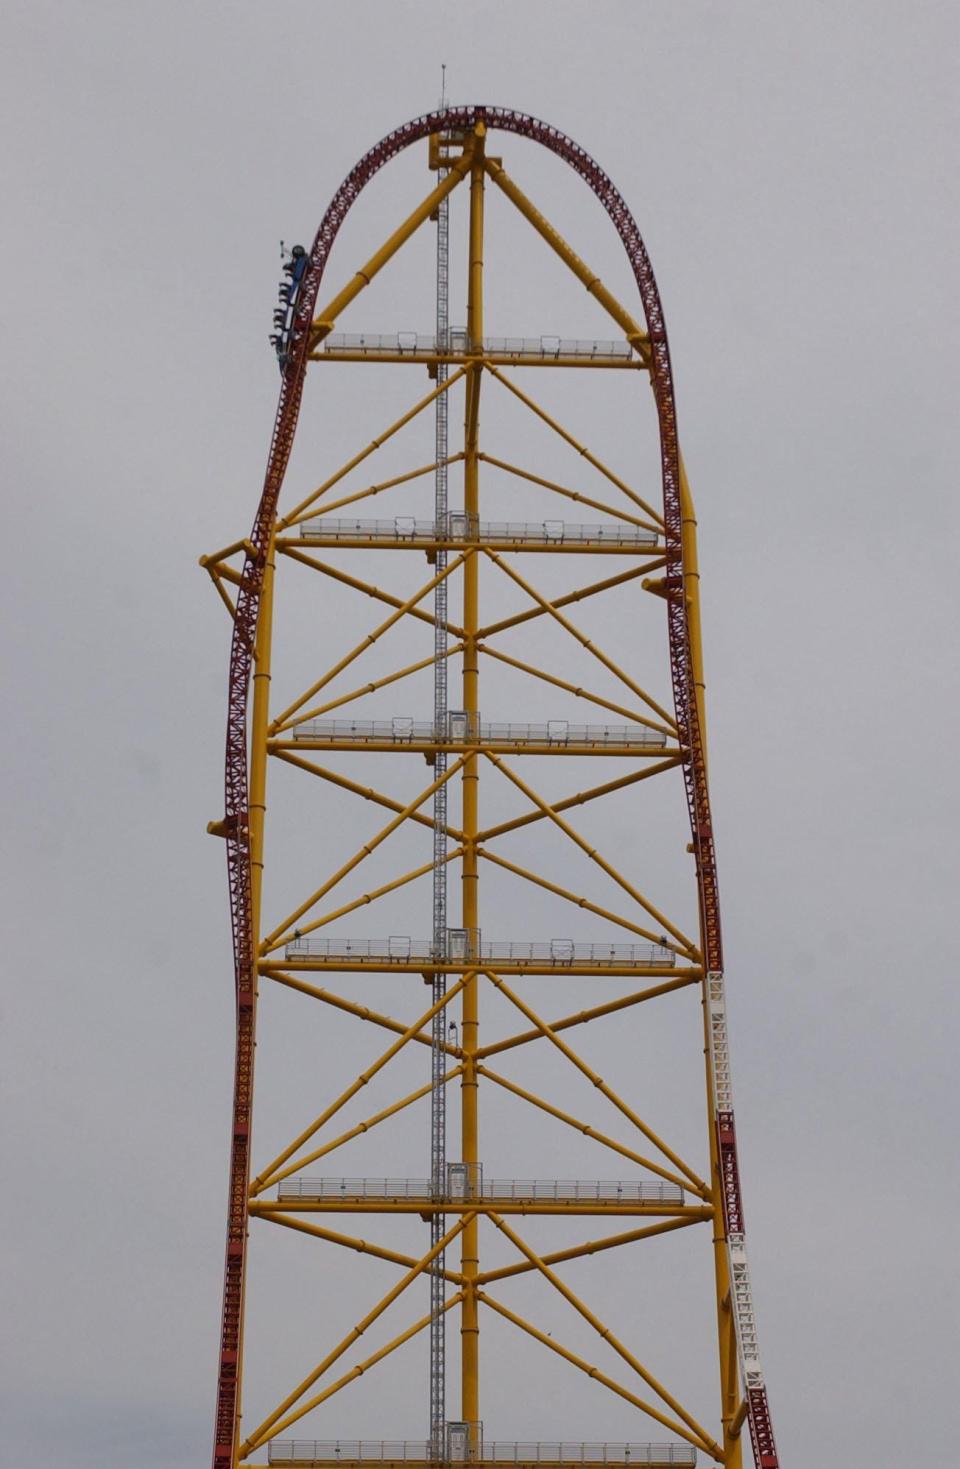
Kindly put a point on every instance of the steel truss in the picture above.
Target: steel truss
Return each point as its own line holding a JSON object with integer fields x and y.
{"x": 455, "y": 963}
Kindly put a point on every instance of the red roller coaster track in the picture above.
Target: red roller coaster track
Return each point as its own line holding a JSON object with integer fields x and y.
{"x": 247, "y": 612}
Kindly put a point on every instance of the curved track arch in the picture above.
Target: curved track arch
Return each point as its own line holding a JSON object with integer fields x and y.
{"x": 688, "y": 715}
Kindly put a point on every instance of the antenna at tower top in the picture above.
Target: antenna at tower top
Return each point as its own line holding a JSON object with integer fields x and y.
{"x": 443, "y": 86}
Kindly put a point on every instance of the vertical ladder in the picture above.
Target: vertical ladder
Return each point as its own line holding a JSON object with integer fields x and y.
{"x": 438, "y": 1105}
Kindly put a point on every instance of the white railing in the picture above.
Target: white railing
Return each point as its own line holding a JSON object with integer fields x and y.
{"x": 373, "y": 344}
{"x": 378, "y": 1451}
{"x": 564, "y": 953}
{"x": 493, "y": 1190}
{"x": 407, "y": 529}
{"x": 557, "y": 733}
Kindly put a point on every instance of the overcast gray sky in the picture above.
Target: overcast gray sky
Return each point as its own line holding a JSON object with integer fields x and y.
{"x": 788, "y": 167}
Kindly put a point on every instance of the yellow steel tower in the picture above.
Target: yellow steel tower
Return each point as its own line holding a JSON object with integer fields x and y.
{"x": 511, "y": 649}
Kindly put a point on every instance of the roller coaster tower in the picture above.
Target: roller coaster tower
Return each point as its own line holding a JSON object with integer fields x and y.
{"x": 475, "y": 600}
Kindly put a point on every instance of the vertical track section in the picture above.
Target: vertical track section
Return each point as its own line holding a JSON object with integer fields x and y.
{"x": 438, "y": 1091}
{"x": 236, "y": 822}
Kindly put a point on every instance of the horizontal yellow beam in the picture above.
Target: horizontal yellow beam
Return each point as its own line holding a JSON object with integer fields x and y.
{"x": 385, "y": 965}
{"x": 426, "y": 1207}
{"x": 455, "y": 543}
{"x": 453, "y": 359}
{"x": 458, "y": 747}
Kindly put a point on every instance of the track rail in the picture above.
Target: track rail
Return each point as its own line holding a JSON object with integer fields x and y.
{"x": 691, "y": 737}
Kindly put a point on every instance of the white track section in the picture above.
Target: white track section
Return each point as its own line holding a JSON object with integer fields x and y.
{"x": 741, "y": 1293}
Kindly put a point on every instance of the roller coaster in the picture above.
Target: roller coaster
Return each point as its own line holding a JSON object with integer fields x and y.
{"x": 476, "y": 969}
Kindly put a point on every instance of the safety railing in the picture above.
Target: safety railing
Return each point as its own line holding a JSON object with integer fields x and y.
{"x": 563, "y": 953}
{"x": 404, "y": 1451}
{"x": 488, "y": 1190}
{"x": 557, "y": 733}
{"x": 461, "y": 529}
{"x": 415, "y": 344}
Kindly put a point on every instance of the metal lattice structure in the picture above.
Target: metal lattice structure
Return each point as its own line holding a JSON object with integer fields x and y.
{"x": 460, "y": 960}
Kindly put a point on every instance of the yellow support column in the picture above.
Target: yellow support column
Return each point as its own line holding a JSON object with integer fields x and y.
{"x": 470, "y": 1263}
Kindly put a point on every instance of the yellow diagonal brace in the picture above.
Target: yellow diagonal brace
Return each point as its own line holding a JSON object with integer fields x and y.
{"x": 695, "y": 1181}
{"x": 267, "y": 1428}
{"x": 323, "y": 324}
{"x": 686, "y": 944}
{"x": 244, "y": 544}
{"x": 268, "y": 1175}
{"x": 709, "y": 1444}
{"x": 578, "y": 902}
{"x": 549, "y": 484}
{"x": 284, "y": 721}
{"x": 582, "y": 1127}
{"x": 387, "y": 484}
{"x": 377, "y": 593}
{"x": 575, "y": 689}
{"x": 579, "y": 595}
{"x": 596, "y": 1012}
{"x": 350, "y": 1007}
{"x": 368, "y": 793}
{"x": 631, "y": 328}
{"x": 362, "y": 1246}
{"x": 594, "y": 1246}
{"x": 739, "y": 1418}
{"x": 293, "y": 516}
{"x": 670, "y": 727}
{"x": 372, "y": 896}
{"x": 224, "y": 596}
{"x": 279, "y": 936}
{"x": 382, "y": 683}
{"x": 361, "y": 1127}
{"x": 558, "y": 428}
{"x": 360, "y": 1369}
{"x": 580, "y": 799}
{"x": 679, "y": 1429}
